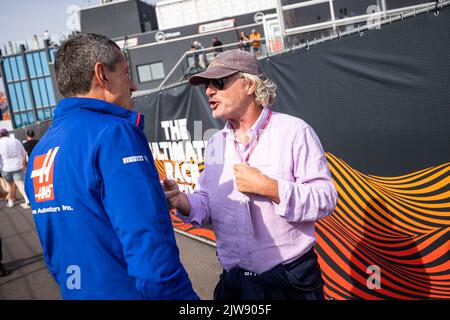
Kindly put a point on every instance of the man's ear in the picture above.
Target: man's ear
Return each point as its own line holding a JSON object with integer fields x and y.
{"x": 251, "y": 87}
{"x": 101, "y": 76}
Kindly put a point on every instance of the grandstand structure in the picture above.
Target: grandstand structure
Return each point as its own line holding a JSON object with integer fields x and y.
{"x": 157, "y": 39}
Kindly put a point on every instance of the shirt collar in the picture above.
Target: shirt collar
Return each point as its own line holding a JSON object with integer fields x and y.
{"x": 254, "y": 129}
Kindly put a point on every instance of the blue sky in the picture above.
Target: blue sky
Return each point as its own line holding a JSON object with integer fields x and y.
{"x": 21, "y": 19}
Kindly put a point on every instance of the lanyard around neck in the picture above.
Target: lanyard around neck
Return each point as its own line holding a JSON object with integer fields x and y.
{"x": 261, "y": 131}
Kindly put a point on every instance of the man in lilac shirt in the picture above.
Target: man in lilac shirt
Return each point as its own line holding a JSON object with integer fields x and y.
{"x": 265, "y": 183}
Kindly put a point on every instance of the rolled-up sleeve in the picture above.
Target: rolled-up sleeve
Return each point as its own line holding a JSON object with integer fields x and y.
{"x": 199, "y": 201}
{"x": 312, "y": 195}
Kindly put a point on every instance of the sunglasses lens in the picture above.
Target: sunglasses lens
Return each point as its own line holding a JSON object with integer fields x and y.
{"x": 217, "y": 83}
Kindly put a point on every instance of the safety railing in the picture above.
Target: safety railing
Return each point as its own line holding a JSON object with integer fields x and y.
{"x": 195, "y": 61}
{"x": 192, "y": 62}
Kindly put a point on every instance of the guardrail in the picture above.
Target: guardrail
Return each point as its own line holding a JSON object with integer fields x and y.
{"x": 192, "y": 62}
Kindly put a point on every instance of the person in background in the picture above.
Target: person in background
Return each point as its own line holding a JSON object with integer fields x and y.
{"x": 201, "y": 55}
{"x": 100, "y": 211}
{"x": 255, "y": 37}
{"x": 30, "y": 143}
{"x": 244, "y": 42}
{"x": 12, "y": 161}
{"x": 265, "y": 184}
{"x": 3, "y": 189}
{"x": 217, "y": 43}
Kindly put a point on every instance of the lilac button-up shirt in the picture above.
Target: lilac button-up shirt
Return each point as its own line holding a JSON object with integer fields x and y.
{"x": 253, "y": 232}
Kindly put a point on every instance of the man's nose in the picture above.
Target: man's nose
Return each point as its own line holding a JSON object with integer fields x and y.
{"x": 210, "y": 90}
{"x": 133, "y": 87}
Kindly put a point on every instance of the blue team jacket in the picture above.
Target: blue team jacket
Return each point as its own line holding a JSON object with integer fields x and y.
{"x": 99, "y": 209}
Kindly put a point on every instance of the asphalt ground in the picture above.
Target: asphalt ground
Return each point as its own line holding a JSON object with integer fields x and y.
{"x": 30, "y": 279}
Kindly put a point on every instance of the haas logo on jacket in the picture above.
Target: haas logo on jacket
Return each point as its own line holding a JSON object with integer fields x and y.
{"x": 42, "y": 175}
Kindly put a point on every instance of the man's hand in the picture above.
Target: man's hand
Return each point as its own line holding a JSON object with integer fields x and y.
{"x": 248, "y": 179}
{"x": 251, "y": 180}
{"x": 175, "y": 198}
{"x": 171, "y": 191}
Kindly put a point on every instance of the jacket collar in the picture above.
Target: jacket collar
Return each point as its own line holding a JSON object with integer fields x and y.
{"x": 68, "y": 106}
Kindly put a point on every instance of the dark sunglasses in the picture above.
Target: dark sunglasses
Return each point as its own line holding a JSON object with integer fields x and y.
{"x": 217, "y": 83}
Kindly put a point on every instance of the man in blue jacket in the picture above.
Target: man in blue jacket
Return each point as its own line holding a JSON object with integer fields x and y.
{"x": 99, "y": 209}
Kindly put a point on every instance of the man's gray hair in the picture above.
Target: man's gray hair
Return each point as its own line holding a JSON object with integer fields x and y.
{"x": 266, "y": 90}
{"x": 76, "y": 58}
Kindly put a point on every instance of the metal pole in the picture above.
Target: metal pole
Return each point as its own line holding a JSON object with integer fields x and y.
{"x": 280, "y": 14}
{"x": 8, "y": 100}
{"x": 29, "y": 86}
{"x": 333, "y": 18}
{"x": 171, "y": 71}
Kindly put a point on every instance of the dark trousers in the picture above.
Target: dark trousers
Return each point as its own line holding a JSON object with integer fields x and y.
{"x": 298, "y": 280}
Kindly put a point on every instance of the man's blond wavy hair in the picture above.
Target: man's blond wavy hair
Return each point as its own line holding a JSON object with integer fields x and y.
{"x": 266, "y": 90}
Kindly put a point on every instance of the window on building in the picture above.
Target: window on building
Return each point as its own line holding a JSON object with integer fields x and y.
{"x": 307, "y": 15}
{"x": 13, "y": 97}
{"x": 394, "y": 4}
{"x": 31, "y": 117}
{"x": 20, "y": 68}
{"x": 35, "y": 65}
{"x": 151, "y": 72}
{"x": 146, "y": 26}
{"x": 44, "y": 63}
{"x": 30, "y": 64}
{"x": 40, "y": 114}
{"x": 18, "y": 120}
{"x": 348, "y": 8}
{"x": 25, "y": 119}
{"x": 52, "y": 55}
{"x": 20, "y": 97}
{"x": 157, "y": 70}
{"x": 36, "y": 93}
{"x": 15, "y": 72}
{"x": 44, "y": 93}
{"x": 48, "y": 113}
{"x": 51, "y": 93}
{"x": 26, "y": 95}
{"x": 7, "y": 67}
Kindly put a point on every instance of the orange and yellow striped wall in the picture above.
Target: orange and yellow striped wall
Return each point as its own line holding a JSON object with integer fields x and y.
{"x": 388, "y": 237}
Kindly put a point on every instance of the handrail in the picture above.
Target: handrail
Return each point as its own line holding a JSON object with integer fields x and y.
{"x": 356, "y": 19}
{"x": 400, "y": 14}
{"x": 187, "y": 53}
{"x": 411, "y": 12}
{"x": 195, "y": 36}
{"x": 172, "y": 70}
